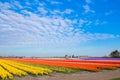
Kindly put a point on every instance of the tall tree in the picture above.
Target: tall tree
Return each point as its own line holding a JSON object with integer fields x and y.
{"x": 115, "y": 54}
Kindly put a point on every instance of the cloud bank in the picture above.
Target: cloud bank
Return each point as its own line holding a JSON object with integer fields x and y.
{"x": 21, "y": 25}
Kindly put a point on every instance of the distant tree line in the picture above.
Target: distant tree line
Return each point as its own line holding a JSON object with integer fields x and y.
{"x": 115, "y": 54}
{"x": 12, "y": 56}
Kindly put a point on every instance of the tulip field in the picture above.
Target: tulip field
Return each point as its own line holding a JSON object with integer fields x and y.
{"x": 10, "y": 67}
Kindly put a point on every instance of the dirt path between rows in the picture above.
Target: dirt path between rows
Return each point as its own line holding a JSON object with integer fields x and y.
{"x": 83, "y": 75}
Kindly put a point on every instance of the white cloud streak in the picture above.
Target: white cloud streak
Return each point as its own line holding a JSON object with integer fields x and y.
{"x": 58, "y": 12}
{"x": 55, "y": 2}
{"x": 87, "y": 9}
{"x": 4, "y": 5}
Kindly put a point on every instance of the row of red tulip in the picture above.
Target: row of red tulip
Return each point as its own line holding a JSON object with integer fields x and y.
{"x": 79, "y": 64}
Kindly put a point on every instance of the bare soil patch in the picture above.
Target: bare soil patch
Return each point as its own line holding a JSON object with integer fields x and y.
{"x": 83, "y": 75}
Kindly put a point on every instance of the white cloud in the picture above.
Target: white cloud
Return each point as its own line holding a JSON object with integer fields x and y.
{"x": 17, "y": 4}
{"x": 55, "y": 2}
{"x": 42, "y": 10}
{"x": 88, "y": 1}
{"x": 68, "y": 11}
{"x": 100, "y": 36}
{"x": 87, "y": 9}
{"x": 39, "y": 28}
{"x": 35, "y": 29}
{"x": 5, "y": 5}
{"x": 81, "y": 21}
{"x": 99, "y": 22}
{"x": 56, "y": 12}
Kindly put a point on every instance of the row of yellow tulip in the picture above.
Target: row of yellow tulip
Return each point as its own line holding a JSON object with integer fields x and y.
{"x": 27, "y": 68}
{"x": 12, "y": 69}
{"x": 9, "y": 68}
{"x": 4, "y": 74}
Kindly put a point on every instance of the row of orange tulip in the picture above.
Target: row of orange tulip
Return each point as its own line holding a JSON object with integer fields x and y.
{"x": 72, "y": 64}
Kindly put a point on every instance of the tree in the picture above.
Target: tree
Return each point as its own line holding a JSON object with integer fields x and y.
{"x": 73, "y": 56}
{"x": 115, "y": 54}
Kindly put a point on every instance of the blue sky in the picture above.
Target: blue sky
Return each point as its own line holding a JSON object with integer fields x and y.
{"x": 59, "y": 27}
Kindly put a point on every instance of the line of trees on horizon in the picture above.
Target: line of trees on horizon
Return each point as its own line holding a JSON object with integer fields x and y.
{"x": 113, "y": 54}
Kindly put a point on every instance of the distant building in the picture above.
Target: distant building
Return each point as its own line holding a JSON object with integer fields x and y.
{"x": 66, "y": 57}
